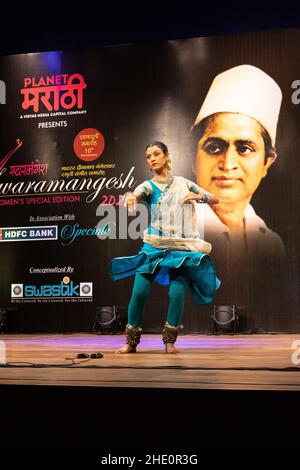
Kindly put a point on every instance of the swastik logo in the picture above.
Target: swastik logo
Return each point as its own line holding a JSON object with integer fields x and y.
{"x": 17, "y": 290}
{"x": 65, "y": 289}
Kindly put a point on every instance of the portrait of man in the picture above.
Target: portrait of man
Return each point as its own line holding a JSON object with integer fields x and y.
{"x": 236, "y": 133}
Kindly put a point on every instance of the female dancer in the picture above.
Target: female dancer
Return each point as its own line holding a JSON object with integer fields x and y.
{"x": 172, "y": 253}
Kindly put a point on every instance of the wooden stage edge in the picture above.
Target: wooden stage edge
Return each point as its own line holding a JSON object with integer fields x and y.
{"x": 224, "y": 362}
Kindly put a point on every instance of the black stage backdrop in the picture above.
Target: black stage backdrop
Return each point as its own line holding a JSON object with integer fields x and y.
{"x": 75, "y": 147}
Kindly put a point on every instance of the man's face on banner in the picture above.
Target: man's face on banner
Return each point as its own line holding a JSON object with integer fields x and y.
{"x": 230, "y": 160}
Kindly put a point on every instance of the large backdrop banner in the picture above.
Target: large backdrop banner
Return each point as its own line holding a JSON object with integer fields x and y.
{"x": 74, "y": 127}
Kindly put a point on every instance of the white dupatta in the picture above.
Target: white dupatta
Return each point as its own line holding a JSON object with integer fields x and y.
{"x": 176, "y": 221}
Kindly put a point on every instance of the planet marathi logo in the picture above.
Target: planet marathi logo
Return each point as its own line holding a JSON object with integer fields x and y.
{"x": 53, "y": 92}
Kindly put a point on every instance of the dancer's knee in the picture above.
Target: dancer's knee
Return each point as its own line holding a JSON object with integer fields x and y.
{"x": 140, "y": 294}
{"x": 177, "y": 291}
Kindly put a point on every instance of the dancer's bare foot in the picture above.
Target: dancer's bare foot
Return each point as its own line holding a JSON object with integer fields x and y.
{"x": 125, "y": 349}
{"x": 170, "y": 349}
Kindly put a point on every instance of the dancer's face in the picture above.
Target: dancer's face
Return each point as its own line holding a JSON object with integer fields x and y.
{"x": 156, "y": 159}
{"x": 230, "y": 160}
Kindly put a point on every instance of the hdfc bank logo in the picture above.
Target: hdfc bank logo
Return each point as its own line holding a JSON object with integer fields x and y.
{"x": 53, "y": 92}
{"x": 10, "y": 234}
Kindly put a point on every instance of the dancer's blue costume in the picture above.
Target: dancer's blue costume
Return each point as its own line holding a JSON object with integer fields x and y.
{"x": 175, "y": 268}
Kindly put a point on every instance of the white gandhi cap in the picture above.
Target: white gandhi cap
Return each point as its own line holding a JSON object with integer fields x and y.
{"x": 244, "y": 89}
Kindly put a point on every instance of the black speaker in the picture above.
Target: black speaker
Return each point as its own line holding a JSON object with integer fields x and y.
{"x": 107, "y": 320}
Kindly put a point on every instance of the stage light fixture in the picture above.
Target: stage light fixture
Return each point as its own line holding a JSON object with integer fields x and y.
{"x": 107, "y": 320}
{"x": 225, "y": 319}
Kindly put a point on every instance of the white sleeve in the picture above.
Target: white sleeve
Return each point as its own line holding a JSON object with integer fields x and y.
{"x": 144, "y": 189}
{"x": 198, "y": 190}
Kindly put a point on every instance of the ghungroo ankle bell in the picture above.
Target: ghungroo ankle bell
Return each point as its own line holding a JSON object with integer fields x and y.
{"x": 170, "y": 333}
{"x": 133, "y": 335}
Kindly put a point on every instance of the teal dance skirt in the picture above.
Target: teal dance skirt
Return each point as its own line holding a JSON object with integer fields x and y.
{"x": 197, "y": 268}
